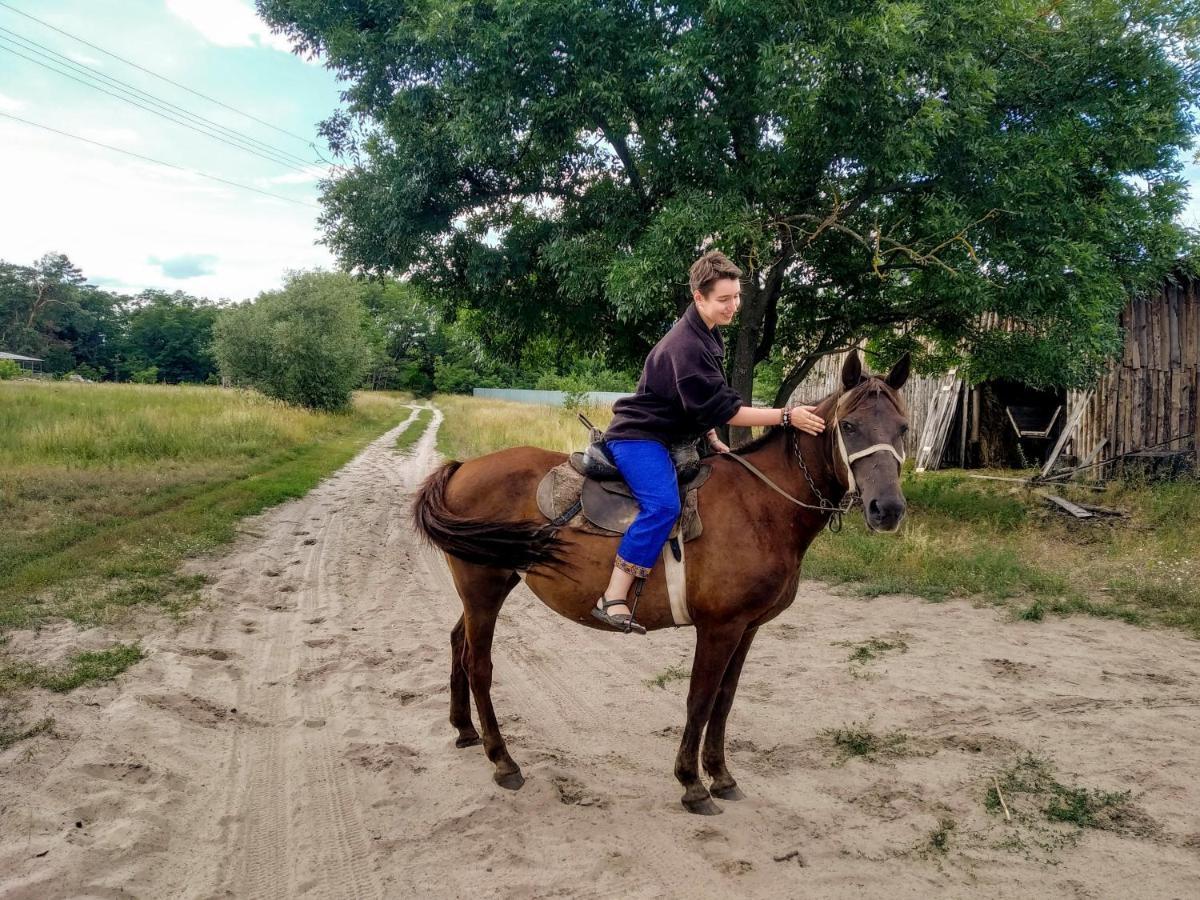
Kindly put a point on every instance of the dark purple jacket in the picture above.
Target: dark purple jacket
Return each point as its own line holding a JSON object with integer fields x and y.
{"x": 682, "y": 392}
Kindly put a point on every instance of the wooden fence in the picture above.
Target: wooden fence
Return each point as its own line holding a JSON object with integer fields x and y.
{"x": 1150, "y": 397}
{"x": 918, "y": 393}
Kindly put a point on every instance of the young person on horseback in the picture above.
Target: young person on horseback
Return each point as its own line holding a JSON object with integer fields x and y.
{"x": 681, "y": 395}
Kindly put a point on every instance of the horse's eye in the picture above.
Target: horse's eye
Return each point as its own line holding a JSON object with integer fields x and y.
{"x": 848, "y": 427}
{"x": 904, "y": 429}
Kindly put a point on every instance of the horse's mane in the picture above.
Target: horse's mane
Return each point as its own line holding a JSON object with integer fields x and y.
{"x": 871, "y": 385}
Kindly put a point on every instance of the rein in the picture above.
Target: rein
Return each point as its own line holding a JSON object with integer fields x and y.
{"x": 838, "y": 510}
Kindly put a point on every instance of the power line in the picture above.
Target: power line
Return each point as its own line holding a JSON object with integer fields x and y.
{"x": 133, "y": 101}
{"x": 162, "y": 115}
{"x": 184, "y": 87}
{"x": 244, "y": 187}
{"x": 125, "y": 87}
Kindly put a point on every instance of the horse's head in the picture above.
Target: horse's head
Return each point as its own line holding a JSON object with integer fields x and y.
{"x": 869, "y": 423}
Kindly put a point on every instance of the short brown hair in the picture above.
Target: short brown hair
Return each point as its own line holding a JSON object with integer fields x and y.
{"x": 712, "y": 266}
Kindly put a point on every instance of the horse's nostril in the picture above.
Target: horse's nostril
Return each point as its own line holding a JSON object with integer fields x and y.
{"x": 873, "y": 507}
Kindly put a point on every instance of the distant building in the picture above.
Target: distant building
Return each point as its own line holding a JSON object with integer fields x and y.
{"x": 30, "y": 364}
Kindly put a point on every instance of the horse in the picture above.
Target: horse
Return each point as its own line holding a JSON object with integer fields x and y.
{"x": 743, "y": 571}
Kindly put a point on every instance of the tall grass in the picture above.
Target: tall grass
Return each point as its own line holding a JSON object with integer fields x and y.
{"x": 475, "y": 426}
{"x": 105, "y": 488}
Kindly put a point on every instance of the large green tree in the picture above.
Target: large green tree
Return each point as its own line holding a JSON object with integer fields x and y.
{"x": 304, "y": 344}
{"x": 171, "y": 332}
{"x": 48, "y": 310}
{"x": 873, "y": 165}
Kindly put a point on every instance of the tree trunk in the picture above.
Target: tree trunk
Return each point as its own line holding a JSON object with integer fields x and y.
{"x": 752, "y": 319}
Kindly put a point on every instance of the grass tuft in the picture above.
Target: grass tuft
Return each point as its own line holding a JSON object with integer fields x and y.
{"x": 669, "y": 674}
{"x": 412, "y": 433}
{"x": 857, "y": 740}
{"x": 10, "y": 734}
{"x": 82, "y": 668}
{"x": 1032, "y": 790}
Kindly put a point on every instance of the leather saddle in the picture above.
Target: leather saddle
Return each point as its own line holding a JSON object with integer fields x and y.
{"x": 588, "y": 492}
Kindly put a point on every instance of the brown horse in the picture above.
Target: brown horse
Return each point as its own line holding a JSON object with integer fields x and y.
{"x": 742, "y": 571}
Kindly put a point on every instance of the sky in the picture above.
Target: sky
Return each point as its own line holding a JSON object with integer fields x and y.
{"x": 131, "y": 224}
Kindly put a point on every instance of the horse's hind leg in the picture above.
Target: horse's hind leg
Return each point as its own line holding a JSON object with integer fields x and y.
{"x": 483, "y": 592}
{"x": 715, "y": 646}
{"x": 460, "y": 689}
{"x": 713, "y": 756}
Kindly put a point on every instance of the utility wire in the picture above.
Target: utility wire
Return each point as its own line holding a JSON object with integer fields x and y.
{"x": 244, "y": 187}
{"x": 96, "y": 74}
{"x": 162, "y": 115}
{"x": 184, "y": 87}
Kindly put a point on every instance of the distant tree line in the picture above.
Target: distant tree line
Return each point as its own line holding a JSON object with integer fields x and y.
{"x": 310, "y": 342}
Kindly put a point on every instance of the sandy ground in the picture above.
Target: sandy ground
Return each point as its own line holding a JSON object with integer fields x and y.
{"x": 292, "y": 741}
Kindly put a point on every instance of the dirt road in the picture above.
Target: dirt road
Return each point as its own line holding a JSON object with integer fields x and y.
{"x": 292, "y": 741}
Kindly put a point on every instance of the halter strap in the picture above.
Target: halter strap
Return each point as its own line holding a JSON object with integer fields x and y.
{"x": 849, "y": 458}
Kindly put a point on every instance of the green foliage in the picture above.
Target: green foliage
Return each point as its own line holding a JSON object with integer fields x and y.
{"x": 83, "y": 667}
{"x": 9, "y": 370}
{"x": 148, "y": 375}
{"x": 556, "y": 166}
{"x": 667, "y": 675}
{"x": 1031, "y": 789}
{"x": 857, "y": 739}
{"x": 303, "y": 344}
{"x": 171, "y": 333}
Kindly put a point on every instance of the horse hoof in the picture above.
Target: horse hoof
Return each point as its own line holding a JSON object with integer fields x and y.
{"x": 467, "y": 740}
{"x": 733, "y": 792}
{"x": 702, "y": 807}
{"x": 510, "y": 781}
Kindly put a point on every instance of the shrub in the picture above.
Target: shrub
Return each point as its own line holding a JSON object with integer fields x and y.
{"x": 303, "y": 344}
{"x": 9, "y": 369}
{"x": 148, "y": 375}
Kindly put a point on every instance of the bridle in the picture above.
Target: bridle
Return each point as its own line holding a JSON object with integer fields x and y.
{"x": 823, "y": 504}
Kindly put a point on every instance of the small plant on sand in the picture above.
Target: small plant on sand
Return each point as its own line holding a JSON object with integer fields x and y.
{"x": 857, "y": 739}
{"x": 1029, "y": 792}
{"x": 670, "y": 673}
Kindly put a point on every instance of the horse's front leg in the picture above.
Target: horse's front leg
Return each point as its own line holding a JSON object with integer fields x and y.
{"x": 714, "y": 648}
{"x": 723, "y": 784}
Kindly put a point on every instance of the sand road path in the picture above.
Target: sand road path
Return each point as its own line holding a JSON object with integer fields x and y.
{"x": 292, "y": 741}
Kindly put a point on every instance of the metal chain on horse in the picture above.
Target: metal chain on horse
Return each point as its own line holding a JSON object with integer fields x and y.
{"x": 835, "y": 511}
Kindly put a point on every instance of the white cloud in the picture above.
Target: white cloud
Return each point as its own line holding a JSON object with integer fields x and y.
{"x": 228, "y": 23}
{"x": 11, "y": 104}
{"x": 118, "y": 137}
{"x": 294, "y": 178}
{"x": 113, "y": 216}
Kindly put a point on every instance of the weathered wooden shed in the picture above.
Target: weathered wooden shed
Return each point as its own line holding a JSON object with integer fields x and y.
{"x": 1147, "y": 402}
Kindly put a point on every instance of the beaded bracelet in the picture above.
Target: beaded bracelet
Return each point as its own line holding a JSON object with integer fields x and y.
{"x": 785, "y": 418}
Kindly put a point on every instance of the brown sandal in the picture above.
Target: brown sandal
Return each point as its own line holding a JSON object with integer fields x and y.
{"x": 620, "y": 621}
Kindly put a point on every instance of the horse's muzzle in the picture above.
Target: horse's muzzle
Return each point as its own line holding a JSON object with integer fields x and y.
{"x": 884, "y": 514}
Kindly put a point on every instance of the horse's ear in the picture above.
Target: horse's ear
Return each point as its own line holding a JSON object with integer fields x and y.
{"x": 895, "y": 379}
{"x": 851, "y": 371}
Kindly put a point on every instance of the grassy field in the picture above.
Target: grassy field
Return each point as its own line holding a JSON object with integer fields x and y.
{"x": 993, "y": 542}
{"x": 105, "y": 489}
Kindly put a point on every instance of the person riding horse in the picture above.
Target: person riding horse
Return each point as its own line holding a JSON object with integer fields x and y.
{"x": 681, "y": 395}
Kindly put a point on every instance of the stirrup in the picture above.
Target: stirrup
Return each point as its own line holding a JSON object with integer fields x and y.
{"x": 621, "y": 621}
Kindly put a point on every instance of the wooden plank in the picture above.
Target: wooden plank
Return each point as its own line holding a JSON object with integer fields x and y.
{"x": 1067, "y": 506}
{"x": 1095, "y": 452}
{"x": 1068, "y": 429}
{"x": 1176, "y": 356}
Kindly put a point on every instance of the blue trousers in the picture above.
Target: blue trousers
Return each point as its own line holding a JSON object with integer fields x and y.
{"x": 647, "y": 469}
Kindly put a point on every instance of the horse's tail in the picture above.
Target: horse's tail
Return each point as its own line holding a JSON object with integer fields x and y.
{"x": 503, "y": 544}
